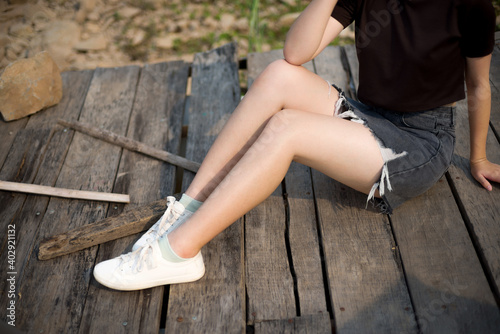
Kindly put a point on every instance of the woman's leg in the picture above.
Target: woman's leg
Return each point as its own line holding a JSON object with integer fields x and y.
{"x": 280, "y": 86}
{"x": 344, "y": 150}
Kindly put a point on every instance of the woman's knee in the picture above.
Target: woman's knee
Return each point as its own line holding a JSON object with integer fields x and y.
{"x": 280, "y": 127}
{"x": 278, "y": 73}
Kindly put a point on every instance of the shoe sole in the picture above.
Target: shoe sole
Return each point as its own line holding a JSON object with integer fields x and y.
{"x": 140, "y": 286}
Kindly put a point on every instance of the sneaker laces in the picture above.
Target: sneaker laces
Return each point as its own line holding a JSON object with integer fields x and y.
{"x": 166, "y": 220}
{"x": 140, "y": 258}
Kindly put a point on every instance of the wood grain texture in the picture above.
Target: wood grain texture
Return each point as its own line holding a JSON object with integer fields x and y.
{"x": 495, "y": 90}
{"x": 156, "y": 120}
{"x": 352, "y": 59}
{"x": 8, "y": 131}
{"x": 304, "y": 242}
{"x": 449, "y": 290}
{"x": 365, "y": 277}
{"x": 257, "y": 62}
{"x": 480, "y": 207}
{"x": 269, "y": 282}
{"x": 328, "y": 65}
{"x": 269, "y": 279}
{"x": 62, "y": 192}
{"x": 26, "y": 211}
{"x": 124, "y": 224}
{"x": 132, "y": 145}
{"x": 49, "y": 303}
{"x": 216, "y": 303}
{"x": 308, "y": 324}
{"x": 298, "y": 231}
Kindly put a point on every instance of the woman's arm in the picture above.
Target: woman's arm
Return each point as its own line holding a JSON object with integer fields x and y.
{"x": 479, "y": 104}
{"x": 313, "y": 30}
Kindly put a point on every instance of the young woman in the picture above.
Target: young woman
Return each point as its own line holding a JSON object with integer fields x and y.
{"x": 394, "y": 144}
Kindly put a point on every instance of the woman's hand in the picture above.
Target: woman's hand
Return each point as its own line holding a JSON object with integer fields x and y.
{"x": 485, "y": 171}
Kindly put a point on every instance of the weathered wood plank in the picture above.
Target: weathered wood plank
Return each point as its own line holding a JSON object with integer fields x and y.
{"x": 314, "y": 324}
{"x": 328, "y": 65}
{"x": 495, "y": 90}
{"x": 352, "y": 59}
{"x": 49, "y": 303}
{"x": 449, "y": 290}
{"x": 127, "y": 223}
{"x": 365, "y": 278}
{"x": 303, "y": 239}
{"x": 8, "y": 131}
{"x": 257, "y": 62}
{"x": 156, "y": 120}
{"x": 216, "y": 303}
{"x": 479, "y": 207}
{"x": 300, "y": 233}
{"x": 62, "y": 192}
{"x": 269, "y": 282}
{"x": 133, "y": 145}
{"x": 495, "y": 67}
{"x": 26, "y": 212}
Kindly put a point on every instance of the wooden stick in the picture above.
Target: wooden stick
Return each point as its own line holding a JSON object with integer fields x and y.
{"x": 132, "y": 145}
{"x": 126, "y": 223}
{"x": 62, "y": 192}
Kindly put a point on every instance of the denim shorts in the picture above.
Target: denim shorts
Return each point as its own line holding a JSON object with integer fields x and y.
{"x": 417, "y": 147}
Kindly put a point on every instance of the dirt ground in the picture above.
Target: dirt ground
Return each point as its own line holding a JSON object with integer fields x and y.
{"x": 83, "y": 34}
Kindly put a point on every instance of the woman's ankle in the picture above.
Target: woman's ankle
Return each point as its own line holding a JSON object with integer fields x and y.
{"x": 181, "y": 248}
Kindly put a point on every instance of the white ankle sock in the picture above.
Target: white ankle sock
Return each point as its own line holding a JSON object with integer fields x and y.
{"x": 190, "y": 203}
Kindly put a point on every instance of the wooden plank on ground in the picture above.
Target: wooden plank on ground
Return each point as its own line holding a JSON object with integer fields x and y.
{"x": 26, "y": 211}
{"x": 62, "y": 192}
{"x": 308, "y": 324}
{"x": 365, "y": 278}
{"x": 8, "y": 131}
{"x": 133, "y": 145}
{"x": 480, "y": 208}
{"x": 54, "y": 292}
{"x": 352, "y": 59}
{"x": 449, "y": 290}
{"x": 328, "y": 65}
{"x": 270, "y": 281}
{"x": 117, "y": 226}
{"x": 495, "y": 90}
{"x": 216, "y": 303}
{"x": 156, "y": 120}
{"x": 304, "y": 242}
{"x": 257, "y": 62}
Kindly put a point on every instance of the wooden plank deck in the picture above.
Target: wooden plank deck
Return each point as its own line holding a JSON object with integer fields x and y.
{"x": 309, "y": 259}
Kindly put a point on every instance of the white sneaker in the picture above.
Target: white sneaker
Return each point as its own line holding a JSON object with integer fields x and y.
{"x": 174, "y": 216}
{"x": 146, "y": 268}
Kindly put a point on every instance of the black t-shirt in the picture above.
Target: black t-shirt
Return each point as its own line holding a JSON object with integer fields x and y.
{"x": 412, "y": 52}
